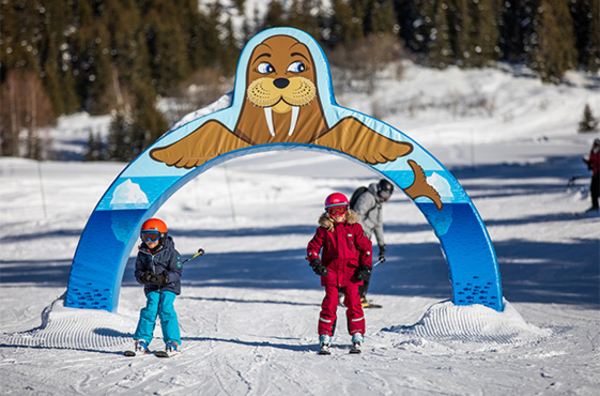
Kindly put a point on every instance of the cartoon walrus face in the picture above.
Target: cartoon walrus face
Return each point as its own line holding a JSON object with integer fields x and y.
{"x": 281, "y": 79}
{"x": 281, "y": 75}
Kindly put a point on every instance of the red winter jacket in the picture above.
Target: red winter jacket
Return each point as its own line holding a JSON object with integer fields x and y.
{"x": 594, "y": 162}
{"x": 344, "y": 246}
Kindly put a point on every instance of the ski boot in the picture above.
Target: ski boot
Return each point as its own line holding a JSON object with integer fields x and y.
{"x": 140, "y": 348}
{"x": 357, "y": 340}
{"x": 325, "y": 341}
{"x": 364, "y": 302}
{"x": 171, "y": 349}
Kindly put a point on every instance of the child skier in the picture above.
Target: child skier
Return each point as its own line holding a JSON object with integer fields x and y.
{"x": 158, "y": 268}
{"x": 346, "y": 253}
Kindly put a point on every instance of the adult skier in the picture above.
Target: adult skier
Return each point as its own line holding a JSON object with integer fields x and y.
{"x": 368, "y": 206}
{"x": 593, "y": 164}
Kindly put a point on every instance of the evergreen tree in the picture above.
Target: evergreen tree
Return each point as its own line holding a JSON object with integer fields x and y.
{"x": 91, "y": 61}
{"x": 52, "y": 80}
{"x": 588, "y": 123}
{"x": 54, "y": 57}
{"x": 463, "y": 28}
{"x": 230, "y": 52}
{"x": 119, "y": 143}
{"x": 95, "y": 147}
{"x": 305, "y": 15}
{"x": 477, "y": 38}
{"x": 422, "y": 25}
{"x": 20, "y": 21}
{"x": 167, "y": 50}
{"x": 345, "y": 27}
{"x": 202, "y": 36}
{"x": 361, "y": 14}
{"x": 440, "y": 53}
{"x": 516, "y": 27}
{"x": 383, "y": 18}
{"x": 129, "y": 53}
{"x": 552, "y": 43}
{"x": 136, "y": 126}
{"x": 586, "y": 18}
{"x": 408, "y": 17}
{"x": 208, "y": 35}
{"x": 275, "y": 15}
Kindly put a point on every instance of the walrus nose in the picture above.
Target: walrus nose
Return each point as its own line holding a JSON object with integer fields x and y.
{"x": 281, "y": 83}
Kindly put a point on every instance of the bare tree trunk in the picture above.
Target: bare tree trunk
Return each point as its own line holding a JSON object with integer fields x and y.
{"x": 14, "y": 119}
{"x": 117, "y": 86}
{"x": 25, "y": 108}
{"x": 32, "y": 133}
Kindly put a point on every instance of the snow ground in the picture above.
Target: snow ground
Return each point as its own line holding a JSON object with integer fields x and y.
{"x": 249, "y": 307}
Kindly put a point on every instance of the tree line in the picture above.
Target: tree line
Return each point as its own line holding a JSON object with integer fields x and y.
{"x": 117, "y": 56}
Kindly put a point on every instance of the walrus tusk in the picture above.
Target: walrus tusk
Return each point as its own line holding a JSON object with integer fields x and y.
{"x": 295, "y": 111}
{"x": 269, "y": 118}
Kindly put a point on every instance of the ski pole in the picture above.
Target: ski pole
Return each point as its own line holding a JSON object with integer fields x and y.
{"x": 380, "y": 261}
{"x": 575, "y": 177}
{"x": 200, "y": 253}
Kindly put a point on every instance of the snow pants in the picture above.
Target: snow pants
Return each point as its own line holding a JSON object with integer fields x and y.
{"x": 595, "y": 190}
{"x": 158, "y": 303}
{"x": 354, "y": 311}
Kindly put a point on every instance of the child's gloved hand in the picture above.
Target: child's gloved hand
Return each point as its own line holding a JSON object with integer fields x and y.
{"x": 161, "y": 278}
{"x": 318, "y": 267}
{"x": 363, "y": 272}
{"x": 147, "y": 278}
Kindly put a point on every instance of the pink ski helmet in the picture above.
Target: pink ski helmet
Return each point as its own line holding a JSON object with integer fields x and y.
{"x": 336, "y": 199}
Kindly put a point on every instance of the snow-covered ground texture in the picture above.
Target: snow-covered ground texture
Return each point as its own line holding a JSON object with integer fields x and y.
{"x": 249, "y": 307}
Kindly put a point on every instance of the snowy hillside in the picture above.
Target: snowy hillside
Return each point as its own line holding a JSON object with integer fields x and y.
{"x": 249, "y": 307}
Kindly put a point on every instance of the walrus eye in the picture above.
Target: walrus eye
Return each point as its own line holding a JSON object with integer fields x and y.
{"x": 265, "y": 68}
{"x": 296, "y": 67}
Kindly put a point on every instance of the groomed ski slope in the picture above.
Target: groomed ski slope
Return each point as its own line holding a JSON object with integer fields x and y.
{"x": 249, "y": 307}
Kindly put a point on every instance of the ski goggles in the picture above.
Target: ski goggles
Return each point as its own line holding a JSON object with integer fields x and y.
{"x": 149, "y": 236}
{"x": 337, "y": 210}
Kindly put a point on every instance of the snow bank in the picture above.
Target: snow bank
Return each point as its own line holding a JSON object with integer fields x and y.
{"x": 453, "y": 326}
{"x": 70, "y": 328}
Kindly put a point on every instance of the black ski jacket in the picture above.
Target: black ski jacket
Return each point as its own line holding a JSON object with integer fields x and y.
{"x": 165, "y": 259}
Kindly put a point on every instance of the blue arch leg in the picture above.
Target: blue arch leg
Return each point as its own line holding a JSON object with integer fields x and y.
{"x": 470, "y": 254}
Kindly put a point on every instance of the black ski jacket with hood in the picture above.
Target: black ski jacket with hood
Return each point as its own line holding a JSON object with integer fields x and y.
{"x": 165, "y": 259}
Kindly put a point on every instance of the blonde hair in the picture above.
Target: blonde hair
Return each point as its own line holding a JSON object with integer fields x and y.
{"x": 326, "y": 222}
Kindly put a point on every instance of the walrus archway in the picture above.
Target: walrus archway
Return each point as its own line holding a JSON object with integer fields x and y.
{"x": 283, "y": 99}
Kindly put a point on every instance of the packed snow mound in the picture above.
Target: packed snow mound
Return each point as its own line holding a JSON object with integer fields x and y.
{"x": 78, "y": 329}
{"x": 447, "y": 323}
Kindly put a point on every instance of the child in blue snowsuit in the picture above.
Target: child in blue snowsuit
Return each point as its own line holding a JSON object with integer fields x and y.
{"x": 158, "y": 267}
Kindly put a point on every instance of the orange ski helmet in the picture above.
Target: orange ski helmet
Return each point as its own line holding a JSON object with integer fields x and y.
{"x": 154, "y": 227}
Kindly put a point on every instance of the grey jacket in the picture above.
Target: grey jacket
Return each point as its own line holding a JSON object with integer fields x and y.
{"x": 368, "y": 206}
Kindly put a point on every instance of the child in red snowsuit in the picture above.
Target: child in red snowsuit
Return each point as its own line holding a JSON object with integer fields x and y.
{"x": 346, "y": 262}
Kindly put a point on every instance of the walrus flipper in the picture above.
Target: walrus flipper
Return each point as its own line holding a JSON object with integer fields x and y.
{"x": 420, "y": 187}
{"x": 353, "y": 137}
{"x": 205, "y": 143}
